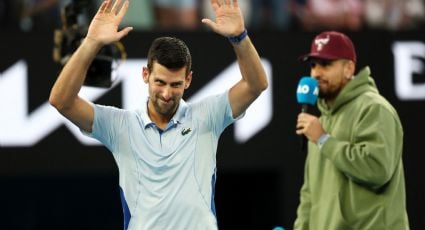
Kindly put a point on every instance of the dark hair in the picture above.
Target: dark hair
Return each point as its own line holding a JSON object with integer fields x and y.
{"x": 170, "y": 52}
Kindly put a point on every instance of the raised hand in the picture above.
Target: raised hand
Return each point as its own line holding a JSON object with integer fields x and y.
{"x": 104, "y": 26}
{"x": 229, "y": 20}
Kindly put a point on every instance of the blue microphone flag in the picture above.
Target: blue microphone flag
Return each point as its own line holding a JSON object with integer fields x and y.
{"x": 307, "y": 91}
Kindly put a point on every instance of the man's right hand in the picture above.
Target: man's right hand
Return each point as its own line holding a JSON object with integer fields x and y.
{"x": 103, "y": 28}
{"x": 309, "y": 126}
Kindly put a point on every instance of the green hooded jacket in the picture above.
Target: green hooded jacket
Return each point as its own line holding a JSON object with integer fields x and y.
{"x": 356, "y": 179}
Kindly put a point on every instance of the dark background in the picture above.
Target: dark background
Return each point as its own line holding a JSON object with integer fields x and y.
{"x": 61, "y": 184}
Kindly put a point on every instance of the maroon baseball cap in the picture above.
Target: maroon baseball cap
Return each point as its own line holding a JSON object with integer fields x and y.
{"x": 331, "y": 45}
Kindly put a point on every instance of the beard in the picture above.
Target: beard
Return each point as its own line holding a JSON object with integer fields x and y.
{"x": 330, "y": 93}
{"x": 165, "y": 109}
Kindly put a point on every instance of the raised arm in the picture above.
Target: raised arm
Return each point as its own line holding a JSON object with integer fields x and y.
{"x": 102, "y": 30}
{"x": 229, "y": 23}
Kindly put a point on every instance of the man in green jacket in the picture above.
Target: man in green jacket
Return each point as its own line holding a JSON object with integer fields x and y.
{"x": 354, "y": 177}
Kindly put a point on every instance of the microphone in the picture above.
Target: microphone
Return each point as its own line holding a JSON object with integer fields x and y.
{"x": 307, "y": 93}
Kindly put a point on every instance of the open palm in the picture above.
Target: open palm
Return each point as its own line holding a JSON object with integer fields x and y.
{"x": 104, "y": 26}
{"x": 229, "y": 21}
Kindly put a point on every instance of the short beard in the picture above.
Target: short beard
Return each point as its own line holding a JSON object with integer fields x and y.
{"x": 331, "y": 95}
{"x": 165, "y": 112}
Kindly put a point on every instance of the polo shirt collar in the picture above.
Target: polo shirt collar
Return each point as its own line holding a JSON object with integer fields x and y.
{"x": 178, "y": 117}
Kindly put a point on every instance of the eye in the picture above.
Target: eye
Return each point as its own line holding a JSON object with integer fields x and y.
{"x": 159, "y": 82}
{"x": 176, "y": 84}
{"x": 321, "y": 62}
{"x": 324, "y": 63}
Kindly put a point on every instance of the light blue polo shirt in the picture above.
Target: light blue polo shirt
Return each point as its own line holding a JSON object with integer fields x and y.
{"x": 167, "y": 177}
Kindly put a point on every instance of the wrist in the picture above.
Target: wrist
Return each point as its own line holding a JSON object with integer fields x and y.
{"x": 92, "y": 43}
{"x": 237, "y": 39}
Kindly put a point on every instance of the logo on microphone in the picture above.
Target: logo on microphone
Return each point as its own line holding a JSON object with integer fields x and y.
{"x": 307, "y": 91}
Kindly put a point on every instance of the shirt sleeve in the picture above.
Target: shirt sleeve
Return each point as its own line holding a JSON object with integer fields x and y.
{"x": 372, "y": 157}
{"x": 217, "y": 112}
{"x": 107, "y": 123}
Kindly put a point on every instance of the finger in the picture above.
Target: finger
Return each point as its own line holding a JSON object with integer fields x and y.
{"x": 215, "y": 6}
{"x": 299, "y": 131}
{"x": 209, "y": 23}
{"x": 300, "y": 116}
{"x": 123, "y": 10}
{"x": 103, "y": 7}
{"x": 124, "y": 32}
{"x": 227, "y": 2}
{"x": 215, "y": 2}
{"x": 235, "y": 3}
{"x": 108, "y": 6}
{"x": 300, "y": 126}
{"x": 116, "y": 6}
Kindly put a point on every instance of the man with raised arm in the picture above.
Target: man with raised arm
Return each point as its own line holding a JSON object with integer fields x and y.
{"x": 165, "y": 150}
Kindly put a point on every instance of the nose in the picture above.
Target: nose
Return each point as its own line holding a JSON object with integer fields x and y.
{"x": 315, "y": 72}
{"x": 166, "y": 93}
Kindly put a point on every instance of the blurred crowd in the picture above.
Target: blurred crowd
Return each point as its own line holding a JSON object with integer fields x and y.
{"x": 283, "y": 15}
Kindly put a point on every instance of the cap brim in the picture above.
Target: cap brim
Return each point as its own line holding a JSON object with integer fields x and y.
{"x": 309, "y": 56}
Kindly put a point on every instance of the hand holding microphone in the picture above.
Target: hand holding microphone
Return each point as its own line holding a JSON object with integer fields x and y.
{"x": 307, "y": 93}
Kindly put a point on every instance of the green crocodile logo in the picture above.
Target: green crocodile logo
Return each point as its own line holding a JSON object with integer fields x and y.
{"x": 186, "y": 131}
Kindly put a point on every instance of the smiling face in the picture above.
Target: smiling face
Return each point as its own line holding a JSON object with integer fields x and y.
{"x": 332, "y": 76}
{"x": 166, "y": 88}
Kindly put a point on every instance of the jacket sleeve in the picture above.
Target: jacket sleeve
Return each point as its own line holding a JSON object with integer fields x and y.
{"x": 303, "y": 211}
{"x": 374, "y": 151}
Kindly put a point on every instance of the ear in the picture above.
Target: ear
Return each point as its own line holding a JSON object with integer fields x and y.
{"x": 188, "y": 80}
{"x": 349, "y": 69}
{"x": 145, "y": 74}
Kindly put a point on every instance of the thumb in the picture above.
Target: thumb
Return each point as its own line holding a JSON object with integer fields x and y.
{"x": 208, "y": 22}
{"x": 124, "y": 32}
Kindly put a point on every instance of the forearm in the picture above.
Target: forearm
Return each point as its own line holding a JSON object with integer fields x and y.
{"x": 370, "y": 164}
{"x": 73, "y": 74}
{"x": 250, "y": 66}
{"x": 369, "y": 149}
